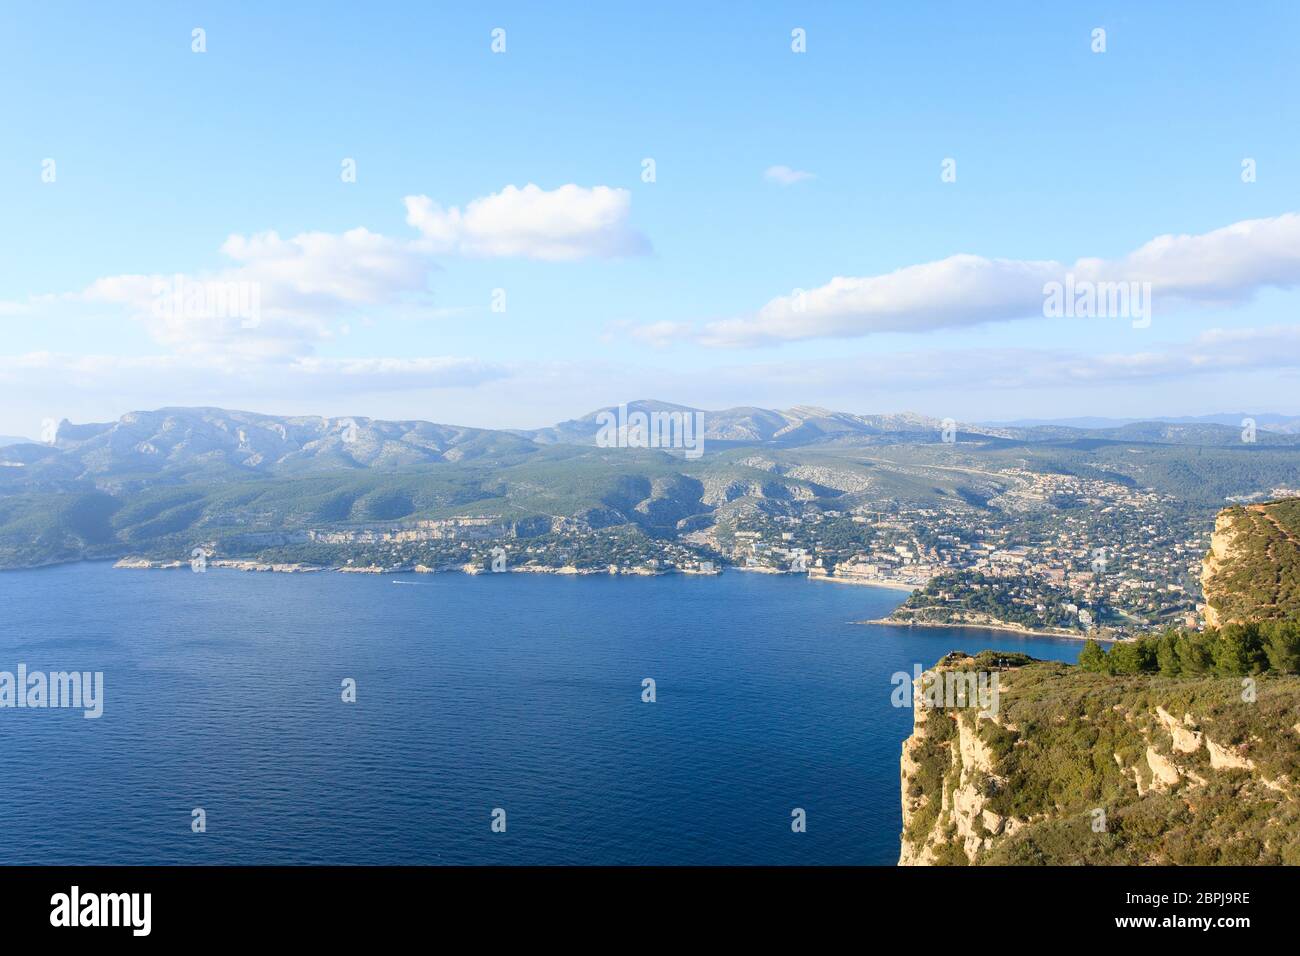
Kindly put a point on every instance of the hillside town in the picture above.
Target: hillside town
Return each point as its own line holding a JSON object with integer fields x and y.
{"x": 1060, "y": 554}
{"x": 1065, "y": 552}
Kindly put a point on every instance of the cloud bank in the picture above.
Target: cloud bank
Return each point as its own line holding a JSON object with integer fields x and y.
{"x": 1225, "y": 266}
{"x": 1217, "y": 352}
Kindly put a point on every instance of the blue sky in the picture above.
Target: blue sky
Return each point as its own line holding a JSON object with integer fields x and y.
{"x": 1061, "y": 154}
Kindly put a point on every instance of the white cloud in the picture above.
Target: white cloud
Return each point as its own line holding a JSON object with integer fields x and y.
{"x": 785, "y": 176}
{"x": 302, "y": 287}
{"x": 278, "y": 299}
{"x": 959, "y": 290}
{"x": 571, "y": 222}
{"x": 1223, "y": 266}
{"x": 357, "y": 267}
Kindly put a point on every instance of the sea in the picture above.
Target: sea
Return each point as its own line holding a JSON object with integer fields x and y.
{"x": 327, "y": 718}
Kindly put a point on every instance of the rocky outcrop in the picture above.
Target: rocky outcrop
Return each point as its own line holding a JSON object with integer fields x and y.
{"x": 1227, "y": 758}
{"x": 1164, "y": 774}
{"x": 1185, "y": 739}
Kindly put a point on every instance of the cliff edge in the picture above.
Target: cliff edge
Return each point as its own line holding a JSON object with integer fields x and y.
{"x": 1252, "y": 570}
{"x": 1073, "y": 767}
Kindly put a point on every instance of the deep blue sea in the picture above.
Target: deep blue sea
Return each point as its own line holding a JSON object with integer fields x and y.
{"x": 223, "y": 691}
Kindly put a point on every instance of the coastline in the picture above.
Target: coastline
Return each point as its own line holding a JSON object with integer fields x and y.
{"x": 145, "y": 564}
{"x": 1007, "y": 628}
{"x": 148, "y": 564}
{"x": 137, "y": 563}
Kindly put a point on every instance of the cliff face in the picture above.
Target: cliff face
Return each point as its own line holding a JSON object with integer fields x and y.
{"x": 1252, "y": 570}
{"x": 947, "y": 770}
{"x": 1079, "y": 768}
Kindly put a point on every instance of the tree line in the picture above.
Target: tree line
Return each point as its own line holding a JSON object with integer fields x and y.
{"x": 1234, "y": 650}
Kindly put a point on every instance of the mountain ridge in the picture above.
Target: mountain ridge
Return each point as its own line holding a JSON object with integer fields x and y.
{"x": 208, "y": 437}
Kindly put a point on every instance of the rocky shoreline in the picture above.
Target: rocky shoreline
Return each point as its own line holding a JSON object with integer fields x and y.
{"x": 138, "y": 563}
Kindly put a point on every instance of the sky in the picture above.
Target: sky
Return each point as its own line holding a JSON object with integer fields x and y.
{"x": 508, "y": 215}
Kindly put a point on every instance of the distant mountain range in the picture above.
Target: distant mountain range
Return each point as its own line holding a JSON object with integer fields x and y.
{"x": 216, "y": 444}
{"x": 213, "y": 443}
{"x": 791, "y": 427}
{"x": 1285, "y": 424}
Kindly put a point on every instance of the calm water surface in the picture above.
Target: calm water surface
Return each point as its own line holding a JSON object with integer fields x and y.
{"x": 222, "y": 691}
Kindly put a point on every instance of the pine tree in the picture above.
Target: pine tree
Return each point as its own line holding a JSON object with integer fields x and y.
{"x": 1282, "y": 645}
{"x": 1092, "y": 658}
